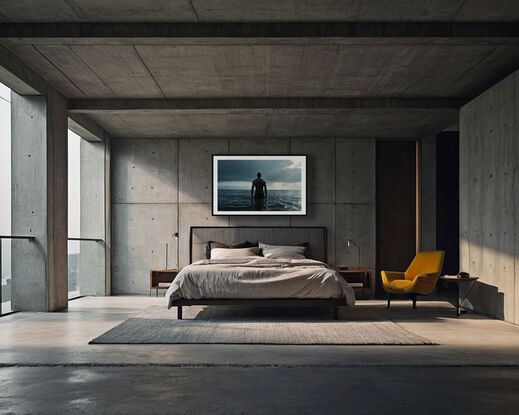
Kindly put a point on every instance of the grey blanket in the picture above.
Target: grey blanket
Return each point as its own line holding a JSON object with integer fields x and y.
{"x": 259, "y": 278}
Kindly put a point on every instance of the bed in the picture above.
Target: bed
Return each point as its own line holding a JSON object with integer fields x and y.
{"x": 257, "y": 280}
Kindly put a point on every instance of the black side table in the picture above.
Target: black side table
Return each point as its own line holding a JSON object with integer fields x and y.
{"x": 456, "y": 280}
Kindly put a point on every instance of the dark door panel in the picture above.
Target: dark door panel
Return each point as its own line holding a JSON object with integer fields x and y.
{"x": 396, "y": 205}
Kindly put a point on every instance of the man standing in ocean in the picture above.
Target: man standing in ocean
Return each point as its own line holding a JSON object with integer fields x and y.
{"x": 261, "y": 192}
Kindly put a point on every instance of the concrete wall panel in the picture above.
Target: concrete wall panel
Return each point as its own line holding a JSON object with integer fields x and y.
{"x": 144, "y": 173}
{"x": 195, "y": 163}
{"x": 195, "y": 214}
{"x": 322, "y": 214}
{"x": 488, "y": 159}
{"x": 259, "y": 220}
{"x": 356, "y": 222}
{"x": 320, "y": 168}
{"x": 355, "y": 172}
{"x": 261, "y": 146}
{"x": 140, "y": 233}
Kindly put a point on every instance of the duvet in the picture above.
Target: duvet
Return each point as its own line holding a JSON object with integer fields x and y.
{"x": 259, "y": 278}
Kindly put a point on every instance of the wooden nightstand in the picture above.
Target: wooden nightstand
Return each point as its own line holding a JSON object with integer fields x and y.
{"x": 361, "y": 279}
{"x": 162, "y": 279}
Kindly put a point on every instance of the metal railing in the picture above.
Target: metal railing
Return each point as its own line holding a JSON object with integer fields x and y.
{"x": 86, "y": 239}
{"x": 5, "y": 307}
{"x": 30, "y": 238}
{"x": 2, "y": 237}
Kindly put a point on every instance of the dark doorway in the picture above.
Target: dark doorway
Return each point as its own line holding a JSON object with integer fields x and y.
{"x": 447, "y": 200}
{"x": 396, "y": 205}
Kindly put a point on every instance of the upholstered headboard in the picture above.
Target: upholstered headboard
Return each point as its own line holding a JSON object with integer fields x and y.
{"x": 276, "y": 235}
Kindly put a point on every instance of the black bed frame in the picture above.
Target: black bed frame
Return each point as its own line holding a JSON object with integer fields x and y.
{"x": 334, "y": 303}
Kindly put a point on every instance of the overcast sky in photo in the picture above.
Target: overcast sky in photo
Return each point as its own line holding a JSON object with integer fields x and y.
{"x": 279, "y": 174}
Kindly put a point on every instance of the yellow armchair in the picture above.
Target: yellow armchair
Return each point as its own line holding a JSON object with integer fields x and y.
{"x": 420, "y": 278}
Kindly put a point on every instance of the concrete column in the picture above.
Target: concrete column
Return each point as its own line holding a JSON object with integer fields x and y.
{"x": 93, "y": 259}
{"x": 39, "y": 202}
{"x": 108, "y": 216}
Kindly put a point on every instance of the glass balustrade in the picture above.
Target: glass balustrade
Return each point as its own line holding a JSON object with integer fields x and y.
{"x": 85, "y": 261}
{"x": 6, "y": 269}
{"x": 85, "y": 256}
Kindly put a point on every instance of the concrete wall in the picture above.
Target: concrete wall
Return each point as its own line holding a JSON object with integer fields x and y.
{"x": 163, "y": 186}
{"x": 489, "y": 198}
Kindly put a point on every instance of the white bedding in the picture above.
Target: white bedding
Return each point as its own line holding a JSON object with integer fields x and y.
{"x": 259, "y": 278}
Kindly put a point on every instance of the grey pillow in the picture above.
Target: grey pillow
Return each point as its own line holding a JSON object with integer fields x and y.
{"x": 282, "y": 251}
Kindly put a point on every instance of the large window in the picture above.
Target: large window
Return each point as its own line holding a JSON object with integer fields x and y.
{"x": 74, "y": 212}
{"x": 5, "y": 197}
{"x": 74, "y": 205}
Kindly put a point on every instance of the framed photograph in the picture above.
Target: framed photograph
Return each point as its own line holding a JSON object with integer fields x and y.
{"x": 259, "y": 185}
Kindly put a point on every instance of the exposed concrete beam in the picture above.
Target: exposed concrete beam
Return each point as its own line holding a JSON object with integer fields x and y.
{"x": 87, "y": 128}
{"x": 18, "y": 76}
{"x": 259, "y": 30}
{"x": 95, "y": 105}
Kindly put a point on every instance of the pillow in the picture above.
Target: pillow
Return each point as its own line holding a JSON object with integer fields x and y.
{"x": 212, "y": 244}
{"x": 246, "y": 244}
{"x": 281, "y": 251}
{"x": 225, "y": 253}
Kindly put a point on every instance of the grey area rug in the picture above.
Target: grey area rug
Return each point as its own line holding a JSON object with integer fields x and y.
{"x": 225, "y": 325}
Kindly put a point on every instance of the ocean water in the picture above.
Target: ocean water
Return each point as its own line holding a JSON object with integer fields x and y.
{"x": 277, "y": 200}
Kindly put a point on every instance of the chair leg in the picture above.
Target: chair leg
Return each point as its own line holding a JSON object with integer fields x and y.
{"x": 336, "y": 313}
{"x": 413, "y": 297}
{"x": 388, "y": 300}
{"x": 179, "y": 312}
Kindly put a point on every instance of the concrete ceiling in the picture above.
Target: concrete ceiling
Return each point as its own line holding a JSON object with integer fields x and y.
{"x": 146, "y": 70}
{"x": 256, "y": 10}
{"x": 150, "y": 65}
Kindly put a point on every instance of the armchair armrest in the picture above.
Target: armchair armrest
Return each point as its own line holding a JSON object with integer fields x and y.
{"x": 392, "y": 275}
{"x": 425, "y": 283}
{"x": 388, "y": 276}
{"x": 424, "y": 276}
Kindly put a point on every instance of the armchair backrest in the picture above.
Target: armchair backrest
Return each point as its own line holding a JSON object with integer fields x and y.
{"x": 430, "y": 262}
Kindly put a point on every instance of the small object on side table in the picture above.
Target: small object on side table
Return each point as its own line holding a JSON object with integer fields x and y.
{"x": 364, "y": 286}
{"x": 162, "y": 279}
{"x": 456, "y": 279}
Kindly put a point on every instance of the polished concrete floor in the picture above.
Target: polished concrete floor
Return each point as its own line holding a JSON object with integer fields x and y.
{"x": 47, "y": 366}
